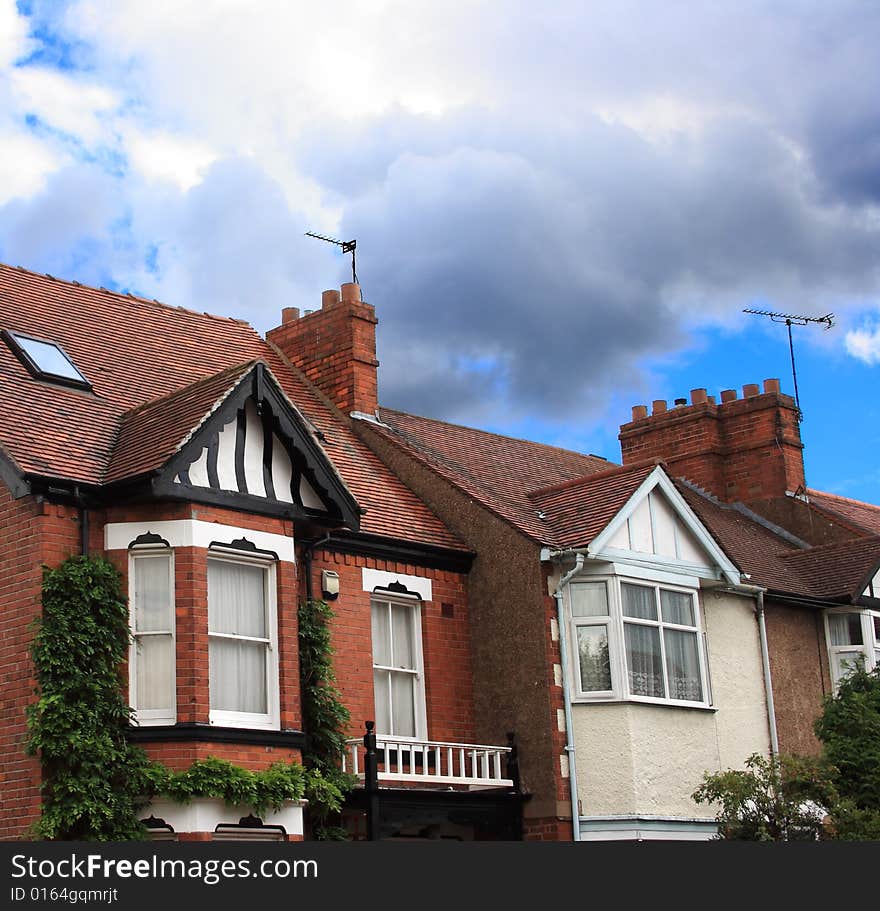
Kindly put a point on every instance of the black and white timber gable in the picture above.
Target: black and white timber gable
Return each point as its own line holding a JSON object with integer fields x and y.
{"x": 256, "y": 451}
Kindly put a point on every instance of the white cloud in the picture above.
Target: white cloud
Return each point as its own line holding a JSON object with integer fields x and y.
{"x": 13, "y": 33}
{"x": 162, "y": 156}
{"x": 25, "y": 164}
{"x": 64, "y": 102}
{"x": 864, "y": 344}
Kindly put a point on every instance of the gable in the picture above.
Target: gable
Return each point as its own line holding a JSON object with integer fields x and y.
{"x": 654, "y": 527}
{"x": 658, "y": 526}
{"x": 256, "y": 451}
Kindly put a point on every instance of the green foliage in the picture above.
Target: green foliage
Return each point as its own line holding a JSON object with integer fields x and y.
{"x": 787, "y": 798}
{"x": 325, "y": 718}
{"x": 259, "y": 791}
{"x": 772, "y": 799}
{"x": 78, "y": 724}
{"x": 849, "y": 729}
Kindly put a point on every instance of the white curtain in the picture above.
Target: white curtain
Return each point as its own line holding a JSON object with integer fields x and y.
{"x": 237, "y": 608}
{"x": 643, "y": 660}
{"x": 845, "y": 629}
{"x": 639, "y": 601}
{"x": 395, "y": 665}
{"x": 589, "y": 599}
{"x": 153, "y": 633}
{"x": 683, "y": 665}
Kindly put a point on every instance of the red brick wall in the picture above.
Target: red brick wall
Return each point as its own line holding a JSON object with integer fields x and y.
{"x": 445, "y": 642}
{"x": 33, "y": 533}
{"x": 742, "y": 449}
{"x": 335, "y": 347}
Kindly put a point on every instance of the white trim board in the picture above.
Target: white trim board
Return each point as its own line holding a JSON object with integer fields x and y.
{"x": 372, "y": 579}
{"x": 196, "y": 533}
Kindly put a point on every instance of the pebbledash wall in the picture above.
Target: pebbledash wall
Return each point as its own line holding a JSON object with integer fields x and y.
{"x": 639, "y": 764}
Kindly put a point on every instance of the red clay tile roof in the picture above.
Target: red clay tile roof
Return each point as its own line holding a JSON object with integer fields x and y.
{"x": 576, "y": 511}
{"x": 863, "y": 516}
{"x": 837, "y": 570}
{"x": 134, "y": 351}
{"x": 499, "y": 472}
{"x": 150, "y": 434}
{"x": 831, "y": 571}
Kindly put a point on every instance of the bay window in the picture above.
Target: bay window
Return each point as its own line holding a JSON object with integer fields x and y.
{"x": 637, "y": 640}
{"x": 853, "y": 639}
{"x": 152, "y": 691}
{"x": 398, "y": 679}
{"x": 242, "y": 646}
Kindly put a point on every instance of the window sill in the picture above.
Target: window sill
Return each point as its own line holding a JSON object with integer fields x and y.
{"x": 687, "y": 706}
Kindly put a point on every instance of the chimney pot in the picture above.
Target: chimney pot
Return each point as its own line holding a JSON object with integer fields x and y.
{"x": 329, "y": 298}
{"x": 351, "y": 291}
{"x": 679, "y": 402}
{"x": 728, "y": 395}
{"x": 710, "y": 399}
{"x": 289, "y": 314}
{"x": 698, "y": 396}
{"x": 639, "y": 412}
{"x": 658, "y": 406}
{"x": 751, "y": 389}
{"x": 771, "y": 385}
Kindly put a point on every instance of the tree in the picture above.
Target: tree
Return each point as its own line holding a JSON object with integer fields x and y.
{"x": 782, "y": 798}
{"x": 849, "y": 729}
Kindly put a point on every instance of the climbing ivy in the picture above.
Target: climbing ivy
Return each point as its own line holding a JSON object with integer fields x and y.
{"x": 325, "y": 718}
{"x": 95, "y": 781}
{"x": 92, "y": 774}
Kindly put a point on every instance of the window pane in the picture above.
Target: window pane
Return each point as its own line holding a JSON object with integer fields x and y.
{"x": 643, "y": 661}
{"x": 844, "y": 663}
{"x": 845, "y": 629}
{"x": 677, "y": 607}
{"x": 593, "y": 657}
{"x": 49, "y": 358}
{"x": 154, "y": 672}
{"x": 381, "y": 633}
{"x": 589, "y": 599}
{"x": 238, "y": 676}
{"x": 683, "y": 665}
{"x": 402, "y": 635}
{"x": 403, "y": 705}
{"x": 638, "y": 601}
{"x": 236, "y": 594}
{"x": 876, "y": 629}
{"x": 152, "y": 593}
{"x": 381, "y": 688}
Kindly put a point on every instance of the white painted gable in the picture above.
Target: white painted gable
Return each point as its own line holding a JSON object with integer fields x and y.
{"x": 873, "y": 588}
{"x": 657, "y": 525}
{"x": 233, "y": 459}
{"x": 655, "y": 528}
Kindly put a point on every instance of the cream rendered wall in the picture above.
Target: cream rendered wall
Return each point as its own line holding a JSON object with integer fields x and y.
{"x": 637, "y": 759}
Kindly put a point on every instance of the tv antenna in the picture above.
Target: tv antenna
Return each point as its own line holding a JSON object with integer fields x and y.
{"x": 792, "y": 319}
{"x": 348, "y": 246}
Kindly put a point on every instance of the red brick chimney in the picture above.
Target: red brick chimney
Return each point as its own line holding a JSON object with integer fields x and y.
{"x": 740, "y": 450}
{"x": 335, "y": 347}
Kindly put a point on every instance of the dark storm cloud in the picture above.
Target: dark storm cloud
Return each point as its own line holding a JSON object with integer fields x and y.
{"x": 515, "y": 274}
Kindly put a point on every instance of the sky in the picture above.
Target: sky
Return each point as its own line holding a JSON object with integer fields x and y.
{"x": 559, "y": 212}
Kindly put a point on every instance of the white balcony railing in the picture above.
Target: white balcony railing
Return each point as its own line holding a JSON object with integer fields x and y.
{"x": 432, "y": 763}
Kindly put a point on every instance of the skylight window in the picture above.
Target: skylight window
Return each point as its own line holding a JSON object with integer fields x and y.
{"x": 46, "y": 360}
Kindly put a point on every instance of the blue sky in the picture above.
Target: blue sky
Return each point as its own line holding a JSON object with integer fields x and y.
{"x": 559, "y": 212}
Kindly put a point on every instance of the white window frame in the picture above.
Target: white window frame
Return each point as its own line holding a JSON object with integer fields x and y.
{"x": 869, "y": 648}
{"x": 270, "y": 720}
{"x": 421, "y": 723}
{"x": 147, "y": 717}
{"x": 615, "y": 622}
